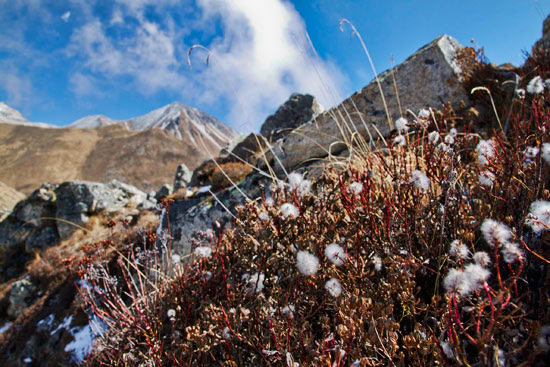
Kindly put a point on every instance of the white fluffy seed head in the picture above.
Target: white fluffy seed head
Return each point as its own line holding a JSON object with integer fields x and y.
{"x": 433, "y": 137}
{"x": 476, "y": 275}
{"x": 495, "y": 233}
{"x": 304, "y": 188}
{"x": 544, "y": 336}
{"x": 453, "y": 280}
{"x": 511, "y": 252}
{"x": 539, "y": 216}
{"x": 171, "y": 313}
{"x": 444, "y": 148}
{"x": 254, "y": 283}
{"x": 482, "y": 258}
{"x": 401, "y": 124}
{"x": 333, "y": 287}
{"x": 530, "y": 154}
{"x": 289, "y": 210}
{"x": 355, "y": 188}
{"x": 449, "y": 139}
{"x": 294, "y": 180}
{"x": 176, "y": 259}
{"x": 420, "y": 180}
{"x": 288, "y": 311}
{"x": 459, "y": 250}
{"x": 377, "y": 261}
{"x": 263, "y": 216}
{"x": 400, "y": 140}
{"x": 336, "y": 254}
{"x": 269, "y": 202}
{"x": 423, "y": 114}
{"x": 203, "y": 251}
{"x": 486, "y": 178}
{"x": 485, "y": 151}
{"x": 535, "y": 85}
{"x": 307, "y": 263}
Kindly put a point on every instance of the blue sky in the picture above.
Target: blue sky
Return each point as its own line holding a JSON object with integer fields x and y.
{"x": 61, "y": 60}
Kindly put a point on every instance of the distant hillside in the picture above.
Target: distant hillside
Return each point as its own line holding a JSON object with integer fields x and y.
{"x": 147, "y": 159}
{"x": 8, "y": 198}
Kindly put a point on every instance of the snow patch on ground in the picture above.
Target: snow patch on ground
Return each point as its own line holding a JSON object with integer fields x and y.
{"x": 84, "y": 338}
{"x": 5, "y": 328}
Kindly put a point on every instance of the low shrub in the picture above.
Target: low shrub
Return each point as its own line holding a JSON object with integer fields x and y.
{"x": 430, "y": 251}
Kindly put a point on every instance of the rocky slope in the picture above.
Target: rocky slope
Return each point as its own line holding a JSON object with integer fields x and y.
{"x": 41, "y": 331}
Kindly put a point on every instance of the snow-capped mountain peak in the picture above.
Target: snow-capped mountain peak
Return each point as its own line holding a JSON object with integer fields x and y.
{"x": 91, "y": 122}
{"x": 186, "y": 123}
{"x": 10, "y": 115}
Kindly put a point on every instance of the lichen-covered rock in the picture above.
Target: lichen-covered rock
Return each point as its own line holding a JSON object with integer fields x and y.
{"x": 77, "y": 200}
{"x": 297, "y": 110}
{"x": 191, "y": 218}
{"x": 428, "y": 78}
{"x": 53, "y": 212}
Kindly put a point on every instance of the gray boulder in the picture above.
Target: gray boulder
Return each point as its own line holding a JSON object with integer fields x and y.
{"x": 183, "y": 177}
{"x": 77, "y": 200}
{"x": 428, "y": 78}
{"x": 297, "y": 110}
{"x": 191, "y": 218}
{"x": 24, "y": 225}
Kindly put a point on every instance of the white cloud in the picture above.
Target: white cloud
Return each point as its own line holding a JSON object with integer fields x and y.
{"x": 260, "y": 47}
{"x": 148, "y": 55}
{"x": 84, "y": 85}
{"x": 65, "y": 17}
{"x": 264, "y": 53}
{"x": 17, "y": 87}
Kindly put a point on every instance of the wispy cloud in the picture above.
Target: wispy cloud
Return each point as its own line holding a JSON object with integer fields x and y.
{"x": 17, "y": 87}
{"x": 260, "y": 53}
{"x": 264, "y": 52}
{"x": 85, "y": 85}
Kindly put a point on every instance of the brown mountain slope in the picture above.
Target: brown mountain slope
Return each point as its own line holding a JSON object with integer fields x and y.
{"x": 147, "y": 159}
{"x": 8, "y": 198}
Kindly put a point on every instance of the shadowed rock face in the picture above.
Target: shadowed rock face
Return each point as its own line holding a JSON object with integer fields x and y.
{"x": 428, "y": 78}
{"x": 299, "y": 109}
{"x": 54, "y": 212}
{"x": 545, "y": 40}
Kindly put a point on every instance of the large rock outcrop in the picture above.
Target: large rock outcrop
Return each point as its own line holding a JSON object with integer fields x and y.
{"x": 54, "y": 212}
{"x": 545, "y": 40}
{"x": 297, "y": 110}
{"x": 428, "y": 78}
